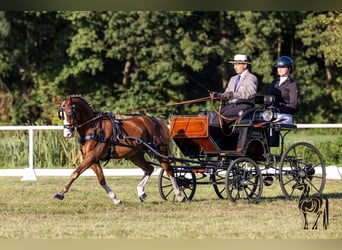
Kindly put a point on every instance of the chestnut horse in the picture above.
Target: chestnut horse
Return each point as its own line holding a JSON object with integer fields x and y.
{"x": 102, "y": 137}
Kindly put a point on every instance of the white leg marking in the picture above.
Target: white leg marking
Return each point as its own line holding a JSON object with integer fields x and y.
{"x": 176, "y": 189}
{"x": 141, "y": 187}
{"x": 111, "y": 194}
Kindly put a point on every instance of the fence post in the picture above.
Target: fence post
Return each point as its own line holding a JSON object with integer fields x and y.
{"x": 29, "y": 173}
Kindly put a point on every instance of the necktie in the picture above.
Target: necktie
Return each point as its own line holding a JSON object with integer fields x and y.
{"x": 237, "y": 82}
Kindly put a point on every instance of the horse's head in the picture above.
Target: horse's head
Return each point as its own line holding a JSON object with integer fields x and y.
{"x": 68, "y": 112}
{"x": 74, "y": 110}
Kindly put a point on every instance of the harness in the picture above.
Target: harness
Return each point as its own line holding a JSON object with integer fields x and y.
{"x": 118, "y": 134}
{"x": 100, "y": 138}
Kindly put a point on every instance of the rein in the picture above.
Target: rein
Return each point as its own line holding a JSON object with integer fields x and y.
{"x": 211, "y": 97}
{"x": 222, "y": 117}
{"x": 93, "y": 119}
{"x": 166, "y": 105}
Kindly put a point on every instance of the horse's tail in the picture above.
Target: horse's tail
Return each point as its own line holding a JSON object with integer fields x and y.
{"x": 326, "y": 213}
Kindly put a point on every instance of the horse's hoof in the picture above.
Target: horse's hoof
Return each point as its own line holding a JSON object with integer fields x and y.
{"x": 143, "y": 197}
{"x": 182, "y": 199}
{"x": 59, "y": 196}
{"x": 117, "y": 202}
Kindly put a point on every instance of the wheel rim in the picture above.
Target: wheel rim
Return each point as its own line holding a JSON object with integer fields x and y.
{"x": 244, "y": 181}
{"x": 301, "y": 162}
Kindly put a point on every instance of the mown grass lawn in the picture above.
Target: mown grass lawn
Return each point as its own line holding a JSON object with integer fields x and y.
{"x": 28, "y": 211}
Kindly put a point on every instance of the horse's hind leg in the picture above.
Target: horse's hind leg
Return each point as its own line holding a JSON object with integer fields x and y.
{"x": 178, "y": 193}
{"x": 326, "y": 214}
{"x": 164, "y": 162}
{"x": 99, "y": 173}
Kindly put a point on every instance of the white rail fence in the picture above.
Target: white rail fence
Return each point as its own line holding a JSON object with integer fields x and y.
{"x": 30, "y": 173}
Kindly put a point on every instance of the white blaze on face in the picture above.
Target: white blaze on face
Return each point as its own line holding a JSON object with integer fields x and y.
{"x": 67, "y": 132}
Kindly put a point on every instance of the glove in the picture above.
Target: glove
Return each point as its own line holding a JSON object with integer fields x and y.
{"x": 215, "y": 95}
{"x": 227, "y": 95}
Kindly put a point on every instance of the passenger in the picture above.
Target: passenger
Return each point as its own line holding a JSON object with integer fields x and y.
{"x": 285, "y": 90}
{"x": 238, "y": 95}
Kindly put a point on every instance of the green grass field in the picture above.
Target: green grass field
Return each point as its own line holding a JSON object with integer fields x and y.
{"x": 28, "y": 211}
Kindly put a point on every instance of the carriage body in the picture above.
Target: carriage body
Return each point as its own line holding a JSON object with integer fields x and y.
{"x": 191, "y": 135}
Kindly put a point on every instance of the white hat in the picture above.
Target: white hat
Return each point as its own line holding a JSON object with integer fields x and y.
{"x": 239, "y": 58}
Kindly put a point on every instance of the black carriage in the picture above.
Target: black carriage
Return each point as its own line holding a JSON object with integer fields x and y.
{"x": 241, "y": 163}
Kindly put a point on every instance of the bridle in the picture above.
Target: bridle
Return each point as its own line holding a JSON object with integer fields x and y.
{"x": 73, "y": 114}
{"x": 62, "y": 112}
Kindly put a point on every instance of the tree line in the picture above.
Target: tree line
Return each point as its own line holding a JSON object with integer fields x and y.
{"x": 126, "y": 60}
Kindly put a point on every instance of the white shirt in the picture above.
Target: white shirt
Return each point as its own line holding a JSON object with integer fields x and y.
{"x": 282, "y": 79}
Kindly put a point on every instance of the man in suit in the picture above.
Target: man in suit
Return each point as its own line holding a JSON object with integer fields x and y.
{"x": 238, "y": 95}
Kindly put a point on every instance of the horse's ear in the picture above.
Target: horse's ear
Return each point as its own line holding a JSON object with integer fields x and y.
{"x": 57, "y": 100}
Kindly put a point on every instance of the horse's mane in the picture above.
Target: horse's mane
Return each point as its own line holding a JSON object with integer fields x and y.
{"x": 82, "y": 99}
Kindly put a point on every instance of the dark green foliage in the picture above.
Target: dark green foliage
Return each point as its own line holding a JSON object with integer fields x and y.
{"x": 130, "y": 60}
{"x": 331, "y": 152}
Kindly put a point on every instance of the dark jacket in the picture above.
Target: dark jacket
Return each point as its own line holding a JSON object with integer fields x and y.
{"x": 286, "y": 95}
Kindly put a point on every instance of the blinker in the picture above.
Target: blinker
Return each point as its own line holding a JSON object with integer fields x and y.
{"x": 61, "y": 114}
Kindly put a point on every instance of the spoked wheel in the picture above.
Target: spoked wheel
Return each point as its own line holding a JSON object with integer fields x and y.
{"x": 301, "y": 162}
{"x": 218, "y": 180}
{"x": 186, "y": 182}
{"x": 244, "y": 181}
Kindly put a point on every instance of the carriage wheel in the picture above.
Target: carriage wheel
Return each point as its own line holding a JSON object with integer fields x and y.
{"x": 301, "y": 162}
{"x": 218, "y": 181}
{"x": 244, "y": 180}
{"x": 186, "y": 182}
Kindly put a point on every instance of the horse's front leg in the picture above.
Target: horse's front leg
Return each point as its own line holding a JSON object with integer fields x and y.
{"x": 306, "y": 224}
{"x": 100, "y": 176}
{"x": 318, "y": 214}
{"x": 78, "y": 171}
